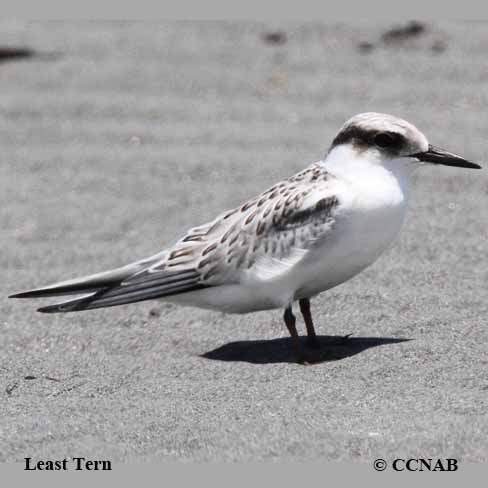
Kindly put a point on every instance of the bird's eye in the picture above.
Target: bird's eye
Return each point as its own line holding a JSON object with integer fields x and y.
{"x": 384, "y": 139}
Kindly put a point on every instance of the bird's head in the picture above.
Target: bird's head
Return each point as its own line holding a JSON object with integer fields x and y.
{"x": 381, "y": 137}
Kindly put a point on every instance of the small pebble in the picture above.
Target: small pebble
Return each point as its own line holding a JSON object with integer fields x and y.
{"x": 365, "y": 47}
{"x": 154, "y": 312}
{"x": 8, "y": 53}
{"x": 412, "y": 29}
{"x": 276, "y": 37}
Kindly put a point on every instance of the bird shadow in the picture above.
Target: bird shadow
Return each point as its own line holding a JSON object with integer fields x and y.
{"x": 329, "y": 348}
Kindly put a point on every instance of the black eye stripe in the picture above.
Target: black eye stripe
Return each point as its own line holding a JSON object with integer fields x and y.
{"x": 369, "y": 137}
{"x": 387, "y": 139}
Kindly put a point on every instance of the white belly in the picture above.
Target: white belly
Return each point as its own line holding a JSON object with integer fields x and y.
{"x": 358, "y": 242}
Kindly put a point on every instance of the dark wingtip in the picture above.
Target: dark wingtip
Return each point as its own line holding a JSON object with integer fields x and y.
{"x": 23, "y": 294}
{"x": 38, "y": 293}
{"x": 75, "y": 305}
{"x": 49, "y": 309}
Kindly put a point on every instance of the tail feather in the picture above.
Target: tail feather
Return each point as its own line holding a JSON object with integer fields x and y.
{"x": 77, "y": 286}
{"x": 91, "y": 283}
{"x": 98, "y": 300}
{"x": 67, "y": 306}
{"x": 132, "y": 283}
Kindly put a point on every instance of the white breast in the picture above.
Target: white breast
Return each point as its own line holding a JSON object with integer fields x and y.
{"x": 373, "y": 206}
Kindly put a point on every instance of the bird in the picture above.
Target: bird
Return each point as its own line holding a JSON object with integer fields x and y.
{"x": 302, "y": 236}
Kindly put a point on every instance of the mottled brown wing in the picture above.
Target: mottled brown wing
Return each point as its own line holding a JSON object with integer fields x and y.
{"x": 286, "y": 218}
{"x": 259, "y": 240}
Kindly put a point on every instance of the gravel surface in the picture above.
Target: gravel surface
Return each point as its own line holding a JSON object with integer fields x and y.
{"x": 116, "y": 137}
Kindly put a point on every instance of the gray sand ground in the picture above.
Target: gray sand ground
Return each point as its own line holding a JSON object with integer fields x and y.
{"x": 121, "y": 136}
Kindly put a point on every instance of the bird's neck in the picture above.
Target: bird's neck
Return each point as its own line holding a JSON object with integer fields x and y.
{"x": 365, "y": 169}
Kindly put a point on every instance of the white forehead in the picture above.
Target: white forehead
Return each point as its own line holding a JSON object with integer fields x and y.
{"x": 374, "y": 120}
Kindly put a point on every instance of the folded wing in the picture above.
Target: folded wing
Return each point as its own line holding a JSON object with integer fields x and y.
{"x": 261, "y": 239}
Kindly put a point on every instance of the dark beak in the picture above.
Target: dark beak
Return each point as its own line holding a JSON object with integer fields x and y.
{"x": 439, "y": 156}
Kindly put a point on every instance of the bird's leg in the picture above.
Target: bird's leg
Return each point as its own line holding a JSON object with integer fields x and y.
{"x": 290, "y": 325}
{"x": 307, "y": 316}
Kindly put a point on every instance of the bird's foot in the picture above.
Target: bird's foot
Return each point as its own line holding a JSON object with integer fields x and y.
{"x": 303, "y": 361}
{"x": 300, "y": 357}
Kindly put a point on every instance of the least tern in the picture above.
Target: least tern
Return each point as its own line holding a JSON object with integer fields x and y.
{"x": 304, "y": 235}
